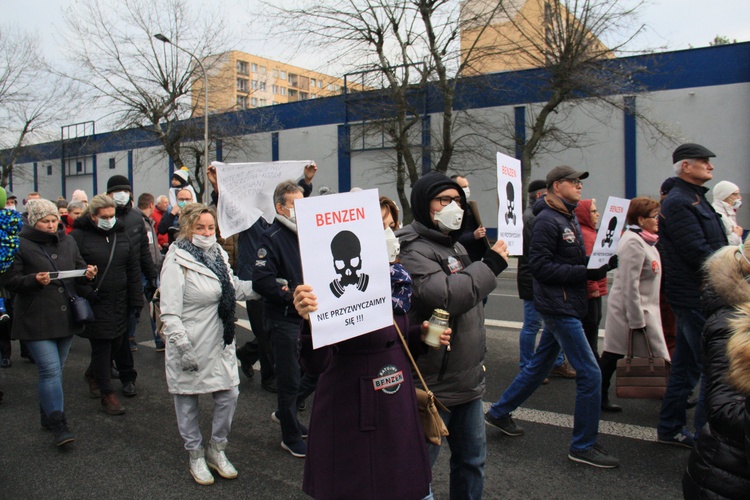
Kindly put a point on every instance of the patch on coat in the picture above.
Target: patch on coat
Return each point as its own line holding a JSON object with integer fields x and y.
{"x": 454, "y": 265}
{"x": 389, "y": 380}
{"x": 568, "y": 235}
{"x": 262, "y": 253}
{"x": 260, "y": 263}
{"x": 655, "y": 266}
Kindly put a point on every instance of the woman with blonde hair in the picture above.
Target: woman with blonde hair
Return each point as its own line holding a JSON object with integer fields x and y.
{"x": 198, "y": 295}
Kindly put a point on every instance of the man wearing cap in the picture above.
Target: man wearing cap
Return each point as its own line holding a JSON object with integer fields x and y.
{"x": 532, "y": 321}
{"x": 689, "y": 231}
{"x": 118, "y": 188}
{"x": 557, "y": 258}
{"x": 445, "y": 278}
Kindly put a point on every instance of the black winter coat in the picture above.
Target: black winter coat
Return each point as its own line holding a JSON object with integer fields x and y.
{"x": 718, "y": 467}
{"x": 132, "y": 218}
{"x": 43, "y": 312}
{"x": 524, "y": 279}
{"x": 690, "y": 230}
{"x": 557, "y": 259}
{"x": 121, "y": 288}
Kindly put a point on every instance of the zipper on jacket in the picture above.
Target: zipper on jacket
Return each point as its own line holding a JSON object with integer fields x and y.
{"x": 444, "y": 364}
{"x": 565, "y": 294}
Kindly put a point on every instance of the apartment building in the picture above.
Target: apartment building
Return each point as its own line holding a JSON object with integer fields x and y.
{"x": 238, "y": 80}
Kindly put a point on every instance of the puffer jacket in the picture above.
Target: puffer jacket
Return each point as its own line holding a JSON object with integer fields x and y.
{"x": 690, "y": 230}
{"x": 524, "y": 279}
{"x": 719, "y": 466}
{"x": 445, "y": 278}
{"x": 588, "y": 230}
{"x": 557, "y": 258}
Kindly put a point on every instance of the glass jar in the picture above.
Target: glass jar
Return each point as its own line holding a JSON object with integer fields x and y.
{"x": 438, "y": 324}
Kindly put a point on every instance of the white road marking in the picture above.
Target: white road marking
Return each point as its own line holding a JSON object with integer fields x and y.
{"x": 562, "y": 420}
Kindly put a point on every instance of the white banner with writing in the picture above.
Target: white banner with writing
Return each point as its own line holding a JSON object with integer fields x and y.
{"x": 246, "y": 191}
{"x": 611, "y": 225}
{"x": 510, "y": 212}
{"x": 344, "y": 259}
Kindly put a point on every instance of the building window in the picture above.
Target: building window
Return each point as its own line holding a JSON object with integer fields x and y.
{"x": 274, "y": 89}
{"x": 262, "y": 86}
{"x": 330, "y": 86}
{"x": 254, "y": 67}
{"x": 292, "y": 93}
{"x": 262, "y": 102}
{"x": 283, "y": 75}
{"x": 275, "y": 103}
{"x": 275, "y": 73}
{"x": 49, "y": 169}
{"x": 312, "y": 82}
{"x": 304, "y": 95}
{"x": 283, "y": 90}
{"x": 242, "y": 84}
{"x": 242, "y": 67}
{"x": 262, "y": 70}
{"x": 335, "y": 87}
{"x": 254, "y": 101}
{"x": 320, "y": 84}
{"x": 112, "y": 163}
{"x": 242, "y": 101}
{"x": 313, "y": 96}
{"x": 255, "y": 84}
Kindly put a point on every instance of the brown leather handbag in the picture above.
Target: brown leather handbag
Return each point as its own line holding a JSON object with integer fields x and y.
{"x": 432, "y": 423}
{"x": 642, "y": 378}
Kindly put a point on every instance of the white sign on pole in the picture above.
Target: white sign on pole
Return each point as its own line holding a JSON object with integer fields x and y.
{"x": 611, "y": 226}
{"x": 246, "y": 191}
{"x": 510, "y": 213}
{"x": 344, "y": 259}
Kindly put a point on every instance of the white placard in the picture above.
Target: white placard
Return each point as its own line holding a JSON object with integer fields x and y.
{"x": 59, "y": 275}
{"x": 344, "y": 259}
{"x": 246, "y": 191}
{"x": 510, "y": 212}
{"x": 611, "y": 224}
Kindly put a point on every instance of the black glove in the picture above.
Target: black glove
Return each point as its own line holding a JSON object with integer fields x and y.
{"x": 150, "y": 289}
{"x": 613, "y": 262}
{"x": 597, "y": 274}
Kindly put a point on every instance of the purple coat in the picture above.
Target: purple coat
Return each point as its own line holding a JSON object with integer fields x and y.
{"x": 365, "y": 443}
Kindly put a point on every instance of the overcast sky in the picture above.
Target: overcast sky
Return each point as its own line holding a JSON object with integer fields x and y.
{"x": 675, "y": 24}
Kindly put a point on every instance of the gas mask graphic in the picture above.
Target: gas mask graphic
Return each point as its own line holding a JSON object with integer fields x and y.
{"x": 347, "y": 261}
{"x": 510, "y": 214}
{"x": 610, "y": 232}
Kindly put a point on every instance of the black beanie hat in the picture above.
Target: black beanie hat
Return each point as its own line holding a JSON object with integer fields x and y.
{"x": 118, "y": 183}
{"x": 425, "y": 189}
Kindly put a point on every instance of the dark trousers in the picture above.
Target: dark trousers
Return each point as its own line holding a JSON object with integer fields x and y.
{"x": 591, "y": 324}
{"x": 608, "y": 366}
{"x": 102, "y": 352}
{"x": 265, "y": 353}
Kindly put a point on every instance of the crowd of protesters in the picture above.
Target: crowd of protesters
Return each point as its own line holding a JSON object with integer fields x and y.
{"x": 678, "y": 285}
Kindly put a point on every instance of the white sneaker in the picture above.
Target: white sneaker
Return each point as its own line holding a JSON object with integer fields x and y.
{"x": 217, "y": 460}
{"x": 199, "y": 469}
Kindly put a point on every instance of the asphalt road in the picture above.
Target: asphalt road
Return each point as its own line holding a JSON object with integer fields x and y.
{"x": 140, "y": 454}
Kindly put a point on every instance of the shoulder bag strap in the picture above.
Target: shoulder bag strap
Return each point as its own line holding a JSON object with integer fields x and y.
{"x": 411, "y": 358}
{"x": 109, "y": 262}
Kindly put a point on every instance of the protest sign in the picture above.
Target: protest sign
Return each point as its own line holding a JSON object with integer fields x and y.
{"x": 344, "y": 259}
{"x": 247, "y": 191}
{"x": 510, "y": 213}
{"x": 610, "y": 229}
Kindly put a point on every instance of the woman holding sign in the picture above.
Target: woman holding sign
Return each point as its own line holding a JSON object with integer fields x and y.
{"x": 366, "y": 438}
{"x": 634, "y": 299}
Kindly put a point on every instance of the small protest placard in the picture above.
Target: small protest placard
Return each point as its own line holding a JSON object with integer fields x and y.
{"x": 246, "y": 191}
{"x": 610, "y": 229}
{"x": 510, "y": 213}
{"x": 344, "y": 259}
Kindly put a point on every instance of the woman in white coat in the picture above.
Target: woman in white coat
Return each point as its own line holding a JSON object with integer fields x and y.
{"x": 727, "y": 200}
{"x": 634, "y": 299}
{"x": 198, "y": 294}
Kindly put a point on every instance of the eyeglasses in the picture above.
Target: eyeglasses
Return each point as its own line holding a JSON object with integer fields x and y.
{"x": 575, "y": 182}
{"x": 652, "y": 217}
{"x": 446, "y": 200}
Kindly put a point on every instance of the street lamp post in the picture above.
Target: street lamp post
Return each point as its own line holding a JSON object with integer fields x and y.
{"x": 164, "y": 39}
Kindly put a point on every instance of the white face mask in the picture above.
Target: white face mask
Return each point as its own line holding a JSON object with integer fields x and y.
{"x": 121, "y": 198}
{"x": 392, "y": 244}
{"x": 106, "y": 224}
{"x": 737, "y": 204}
{"x": 467, "y": 192}
{"x": 204, "y": 242}
{"x": 450, "y": 217}
{"x": 292, "y": 217}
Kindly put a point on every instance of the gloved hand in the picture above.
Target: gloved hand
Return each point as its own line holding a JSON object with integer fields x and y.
{"x": 613, "y": 262}
{"x": 188, "y": 359}
{"x": 150, "y": 289}
{"x": 597, "y": 274}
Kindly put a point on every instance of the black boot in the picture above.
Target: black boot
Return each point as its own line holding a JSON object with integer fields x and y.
{"x": 43, "y": 419}
{"x": 59, "y": 427}
{"x": 610, "y": 407}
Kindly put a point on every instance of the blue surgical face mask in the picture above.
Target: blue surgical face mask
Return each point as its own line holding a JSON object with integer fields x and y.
{"x": 106, "y": 224}
{"x": 182, "y": 204}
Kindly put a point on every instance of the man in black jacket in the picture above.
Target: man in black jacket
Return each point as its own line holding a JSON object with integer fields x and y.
{"x": 689, "y": 232}
{"x": 118, "y": 188}
{"x": 557, "y": 258}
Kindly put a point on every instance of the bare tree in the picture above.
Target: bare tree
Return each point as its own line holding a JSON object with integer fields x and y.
{"x": 142, "y": 82}
{"x": 32, "y": 98}
{"x": 411, "y": 51}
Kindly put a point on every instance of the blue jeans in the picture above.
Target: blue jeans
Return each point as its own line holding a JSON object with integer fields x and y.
{"x": 567, "y": 332}
{"x": 50, "y": 356}
{"x": 532, "y": 323}
{"x": 468, "y": 447}
{"x": 687, "y": 370}
{"x": 289, "y": 381}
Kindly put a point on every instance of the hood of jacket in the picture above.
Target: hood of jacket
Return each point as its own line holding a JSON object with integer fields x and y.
{"x": 583, "y": 212}
{"x": 738, "y": 349}
{"x": 42, "y": 237}
{"x": 425, "y": 189}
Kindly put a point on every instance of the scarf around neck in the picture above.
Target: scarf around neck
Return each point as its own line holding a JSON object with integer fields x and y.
{"x": 213, "y": 260}
{"x": 648, "y": 237}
